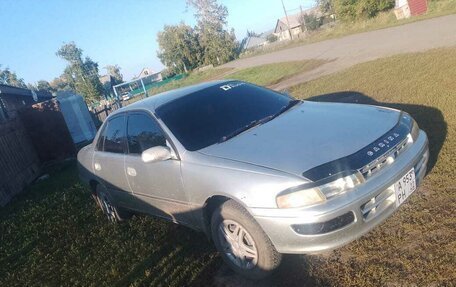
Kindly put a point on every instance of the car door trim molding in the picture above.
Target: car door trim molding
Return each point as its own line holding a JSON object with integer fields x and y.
{"x": 166, "y": 199}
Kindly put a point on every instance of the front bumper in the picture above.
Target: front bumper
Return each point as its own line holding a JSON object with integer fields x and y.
{"x": 277, "y": 223}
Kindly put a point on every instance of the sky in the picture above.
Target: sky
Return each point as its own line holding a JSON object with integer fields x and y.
{"x": 110, "y": 32}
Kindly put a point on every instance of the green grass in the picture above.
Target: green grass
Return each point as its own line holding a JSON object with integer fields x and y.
{"x": 271, "y": 74}
{"x": 53, "y": 235}
{"x": 381, "y": 21}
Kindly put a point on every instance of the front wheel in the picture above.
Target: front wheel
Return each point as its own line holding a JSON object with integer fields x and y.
{"x": 242, "y": 243}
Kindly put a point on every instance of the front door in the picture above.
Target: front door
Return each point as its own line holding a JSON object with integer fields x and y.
{"x": 157, "y": 185}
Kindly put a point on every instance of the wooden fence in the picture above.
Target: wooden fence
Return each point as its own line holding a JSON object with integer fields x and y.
{"x": 102, "y": 112}
{"x": 19, "y": 163}
{"x": 48, "y": 131}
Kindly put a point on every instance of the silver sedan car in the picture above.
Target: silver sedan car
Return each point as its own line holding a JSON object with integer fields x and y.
{"x": 259, "y": 172}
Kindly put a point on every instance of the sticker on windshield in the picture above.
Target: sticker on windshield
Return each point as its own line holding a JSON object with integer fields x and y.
{"x": 230, "y": 86}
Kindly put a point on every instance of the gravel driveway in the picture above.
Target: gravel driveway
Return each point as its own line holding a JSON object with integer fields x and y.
{"x": 354, "y": 49}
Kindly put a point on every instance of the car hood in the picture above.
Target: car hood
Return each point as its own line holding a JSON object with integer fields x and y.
{"x": 308, "y": 135}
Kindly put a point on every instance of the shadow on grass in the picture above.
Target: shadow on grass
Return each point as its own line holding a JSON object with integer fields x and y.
{"x": 429, "y": 119}
{"x": 293, "y": 271}
{"x": 177, "y": 261}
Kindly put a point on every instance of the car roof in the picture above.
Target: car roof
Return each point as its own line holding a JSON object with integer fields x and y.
{"x": 153, "y": 102}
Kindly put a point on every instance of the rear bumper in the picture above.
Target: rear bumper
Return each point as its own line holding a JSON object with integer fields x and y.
{"x": 277, "y": 223}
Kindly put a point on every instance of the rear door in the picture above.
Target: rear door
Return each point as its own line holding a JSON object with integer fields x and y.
{"x": 109, "y": 160}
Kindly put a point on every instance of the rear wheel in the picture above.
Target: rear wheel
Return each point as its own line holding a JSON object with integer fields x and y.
{"x": 105, "y": 202}
{"x": 242, "y": 243}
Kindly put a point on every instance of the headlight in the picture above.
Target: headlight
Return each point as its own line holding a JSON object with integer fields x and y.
{"x": 300, "y": 198}
{"x": 412, "y": 126}
{"x": 414, "y": 130}
{"x": 318, "y": 194}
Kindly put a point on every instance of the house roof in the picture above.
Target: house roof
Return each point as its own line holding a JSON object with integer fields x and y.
{"x": 267, "y": 33}
{"x": 150, "y": 72}
{"x": 294, "y": 19}
{"x": 253, "y": 42}
{"x": 11, "y": 90}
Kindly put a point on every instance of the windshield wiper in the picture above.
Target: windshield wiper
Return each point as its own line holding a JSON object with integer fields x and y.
{"x": 240, "y": 130}
{"x": 285, "y": 108}
{"x": 289, "y": 105}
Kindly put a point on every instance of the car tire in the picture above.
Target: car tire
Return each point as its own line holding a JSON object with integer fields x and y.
{"x": 105, "y": 202}
{"x": 253, "y": 256}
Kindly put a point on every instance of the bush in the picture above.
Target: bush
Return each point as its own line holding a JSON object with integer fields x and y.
{"x": 272, "y": 38}
{"x": 168, "y": 73}
{"x": 351, "y": 10}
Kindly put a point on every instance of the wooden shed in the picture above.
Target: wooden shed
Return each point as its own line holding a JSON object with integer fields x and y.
{"x": 407, "y": 8}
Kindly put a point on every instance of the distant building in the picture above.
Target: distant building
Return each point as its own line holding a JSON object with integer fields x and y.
{"x": 253, "y": 42}
{"x": 149, "y": 76}
{"x": 12, "y": 99}
{"x": 406, "y": 8}
{"x": 146, "y": 72}
{"x": 282, "y": 30}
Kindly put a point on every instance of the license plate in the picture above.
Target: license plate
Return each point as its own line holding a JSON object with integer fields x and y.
{"x": 405, "y": 186}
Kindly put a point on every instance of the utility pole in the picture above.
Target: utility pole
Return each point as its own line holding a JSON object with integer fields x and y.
{"x": 288, "y": 22}
{"x": 302, "y": 18}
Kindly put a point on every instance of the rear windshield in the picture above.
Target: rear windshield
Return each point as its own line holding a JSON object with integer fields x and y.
{"x": 203, "y": 118}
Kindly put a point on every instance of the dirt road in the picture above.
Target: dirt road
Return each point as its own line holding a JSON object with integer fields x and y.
{"x": 354, "y": 49}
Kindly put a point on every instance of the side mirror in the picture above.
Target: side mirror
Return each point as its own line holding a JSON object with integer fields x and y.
{"x": 156, "y": 153}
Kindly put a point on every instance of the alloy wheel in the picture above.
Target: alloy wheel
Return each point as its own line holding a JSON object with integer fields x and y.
{"x": 238, "y": 245}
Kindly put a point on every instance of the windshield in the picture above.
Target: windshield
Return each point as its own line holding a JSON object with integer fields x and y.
{"x": 220, "y": 112}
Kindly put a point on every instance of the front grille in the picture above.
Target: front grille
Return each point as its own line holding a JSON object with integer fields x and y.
{"x": 384, "y": 160}
{"x": 378, "y": 203}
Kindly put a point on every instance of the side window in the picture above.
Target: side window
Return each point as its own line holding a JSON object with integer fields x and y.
{"x": 115, "y": 135}
{"x": 143, "y": 133}
{"x": 102, "y": 137}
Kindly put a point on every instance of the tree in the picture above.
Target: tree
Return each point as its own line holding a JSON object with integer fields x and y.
{"x": 218, "y": 45}
{"x": 370, "y": 8}
{"x": 179, "y": 48}
{"x": 114, "y": 71}
{"x": 326, "y": 6}
{"x": 81, "y": 75}
{"x": 10, "y": 78}
{"x": 252, "y": 34}
{"x": 310, "y": 21}
{"x": 61, "y": 84}
{"x": 43, "y": 86}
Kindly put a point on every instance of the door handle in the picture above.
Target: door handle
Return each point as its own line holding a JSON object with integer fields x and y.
{"x": 131, "y": 171}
